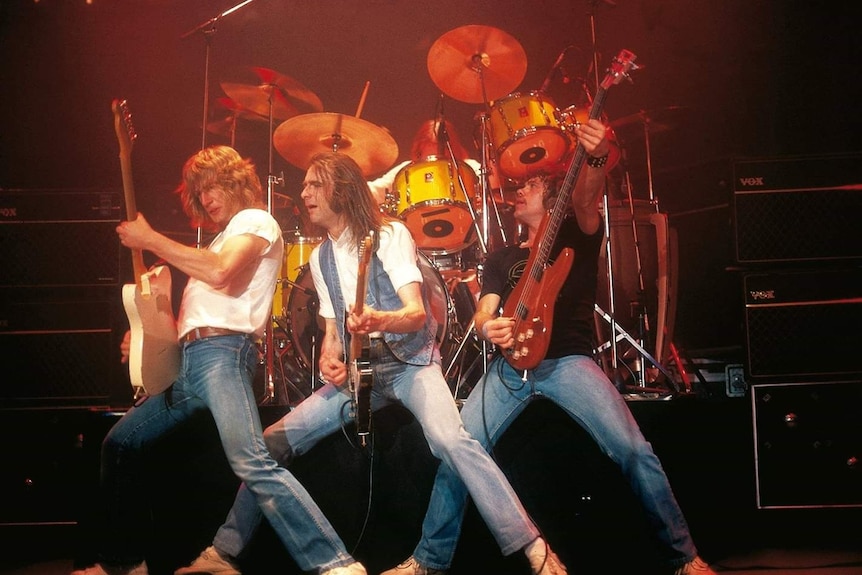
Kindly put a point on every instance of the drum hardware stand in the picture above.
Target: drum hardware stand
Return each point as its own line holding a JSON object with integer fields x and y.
{"x": 617, "y": 331}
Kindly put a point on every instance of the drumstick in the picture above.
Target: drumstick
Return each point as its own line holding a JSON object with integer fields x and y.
{"x": 362, "y": 99}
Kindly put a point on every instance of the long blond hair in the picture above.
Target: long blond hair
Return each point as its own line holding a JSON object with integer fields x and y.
{"x": 222, "y": 166}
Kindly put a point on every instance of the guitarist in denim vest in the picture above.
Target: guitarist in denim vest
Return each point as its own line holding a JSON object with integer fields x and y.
{"x": 567, "y": 375}
{"x": 406, "y": 370}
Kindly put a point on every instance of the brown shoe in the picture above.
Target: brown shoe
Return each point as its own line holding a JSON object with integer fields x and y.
{"x": 412, "y": 567}
{"x": 210, "y": 562}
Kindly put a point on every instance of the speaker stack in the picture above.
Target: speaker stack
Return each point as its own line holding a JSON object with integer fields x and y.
{"x": 60, "y": 304}
{"x": 798, "y": 243}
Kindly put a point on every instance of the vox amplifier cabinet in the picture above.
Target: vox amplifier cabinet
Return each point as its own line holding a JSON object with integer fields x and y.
{"x": 803, "y": 323}
{"x": 808, "y": 444}
{"x": 798, "y": 209}
{"x": 59, "y": 238}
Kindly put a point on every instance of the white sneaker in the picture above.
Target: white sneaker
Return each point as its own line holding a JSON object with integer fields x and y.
{"x": 696, "y": 566}
{"x": 99, "y": 569}
{"x": 354, "y": 568}
{"x": 210, "y": 562}
{"x": 543, "y": 561}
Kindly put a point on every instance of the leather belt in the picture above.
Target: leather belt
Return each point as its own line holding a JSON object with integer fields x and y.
{"x": 202, "y": 332}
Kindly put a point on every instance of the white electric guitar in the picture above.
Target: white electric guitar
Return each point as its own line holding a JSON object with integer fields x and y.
{"x": 154, "y": 353}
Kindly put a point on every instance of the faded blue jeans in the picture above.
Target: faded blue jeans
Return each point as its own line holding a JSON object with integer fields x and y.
{"x": 423, "y": 391}
{"x": 578, "y": 386}
{"x": 216, "y": 374}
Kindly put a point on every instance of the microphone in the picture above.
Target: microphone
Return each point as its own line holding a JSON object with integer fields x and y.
{"x": 546, "y": 84}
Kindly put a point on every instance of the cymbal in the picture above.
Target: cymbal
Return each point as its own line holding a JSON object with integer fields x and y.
{"x": 287, "y": 96}
{"x": 226, "y": 125}
{"x": 463, "y": 59}
{"x": 280, "y": 200}
{"x": 306, "y": 99}
{"x": 238, "y": 110}
{"x": 301, "y": 137}
{"x": 658, "y": 119}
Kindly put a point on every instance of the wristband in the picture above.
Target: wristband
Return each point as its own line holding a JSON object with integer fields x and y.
{"x": 595, "y": 162}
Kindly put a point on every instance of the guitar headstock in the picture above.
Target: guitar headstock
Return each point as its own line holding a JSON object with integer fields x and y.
{"x": 365, "y": 249}
{"x": 123, "y": 126}
{"x": 620, "y": 68}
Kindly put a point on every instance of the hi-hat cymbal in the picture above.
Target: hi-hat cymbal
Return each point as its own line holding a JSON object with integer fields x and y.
{"x": 306, "y": 100}
{"x": 657, "y": 120}
{"x": 465, "y": 60}
{"x": 284, "y": 95}
{"x": 237, "y": 110}
{"x": 301, "y": 137}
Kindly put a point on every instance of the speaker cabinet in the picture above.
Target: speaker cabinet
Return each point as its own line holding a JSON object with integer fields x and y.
{"x": 798, "y": 209}
{"x": 59, "y": 238}
{"x": 643, "y": 257}
{"x": 51, "y": 464}
{"x": 60, "y": 348}
{"x": 803, "y": 323}
{"x": 808, "y": 443}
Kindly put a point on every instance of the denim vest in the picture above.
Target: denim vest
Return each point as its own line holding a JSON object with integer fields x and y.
{"x": 415, "y": 348}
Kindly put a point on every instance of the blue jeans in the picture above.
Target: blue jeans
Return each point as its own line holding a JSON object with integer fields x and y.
{"x": 578, "y": 386}
{"x": 423, "y": 391}
{"x": 216, "y": 374}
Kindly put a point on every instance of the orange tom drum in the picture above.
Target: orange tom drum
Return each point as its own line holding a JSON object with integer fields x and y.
{"x": 526, "y": 134}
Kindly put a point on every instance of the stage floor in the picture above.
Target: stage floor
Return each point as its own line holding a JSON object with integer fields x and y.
{"x": 572, "y": 491}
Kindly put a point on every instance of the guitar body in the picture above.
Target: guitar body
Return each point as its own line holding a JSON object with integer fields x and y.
{"x": 362, "y": 378}
{"x": 154, "y": 355}
{"x": 533, "y": 311}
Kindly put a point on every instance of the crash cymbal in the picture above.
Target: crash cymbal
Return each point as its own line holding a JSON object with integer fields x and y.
{"x": 286, "y": 96}
{"x": 658, "y": 119}
{"x": 301, "y": 137}
{"x": 306, "y": 100}
{"x": 257, "y": 99}
{"x": 462, "y": 60}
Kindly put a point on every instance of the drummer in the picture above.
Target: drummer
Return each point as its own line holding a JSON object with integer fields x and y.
{"x": 425, "y": 146}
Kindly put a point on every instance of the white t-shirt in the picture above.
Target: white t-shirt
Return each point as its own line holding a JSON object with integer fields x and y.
{"x": 246, "y": 308}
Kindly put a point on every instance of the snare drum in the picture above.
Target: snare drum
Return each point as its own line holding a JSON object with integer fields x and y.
{"x": 433, "y": 204}
{"x": 297, "y": 251}
{"x": 572, "y": 117}
{"x": 526, "y": 134}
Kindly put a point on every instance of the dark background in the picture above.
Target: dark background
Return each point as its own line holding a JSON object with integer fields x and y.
{"x": 750, "y": 78}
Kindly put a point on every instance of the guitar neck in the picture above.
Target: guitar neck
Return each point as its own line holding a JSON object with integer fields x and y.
{"x": 361, "y": 291}
{"x": 138, "y": 266}
{"x": 126, "y": 136}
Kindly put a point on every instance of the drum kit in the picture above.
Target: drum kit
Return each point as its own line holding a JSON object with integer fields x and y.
{"x": 453, "y": 209}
